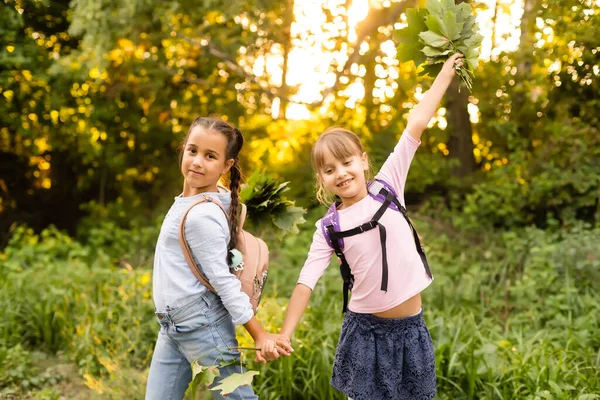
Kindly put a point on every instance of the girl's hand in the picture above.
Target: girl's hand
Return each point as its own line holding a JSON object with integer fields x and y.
{"x": 267, "y": 352}
{"x": 448, "y": 67}
{"x": 272, "y": 347}
{"x": 283, "y": 345}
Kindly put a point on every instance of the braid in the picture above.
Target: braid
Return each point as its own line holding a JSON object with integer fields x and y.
{"x": 235, "y": 176}
{"x": 234, "y": 187}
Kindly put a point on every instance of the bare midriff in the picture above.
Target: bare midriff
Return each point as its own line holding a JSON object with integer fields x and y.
{"x": 410, "y": 307}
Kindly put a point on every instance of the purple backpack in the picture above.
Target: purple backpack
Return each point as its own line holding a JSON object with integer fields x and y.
{"x": 385, "y": 194}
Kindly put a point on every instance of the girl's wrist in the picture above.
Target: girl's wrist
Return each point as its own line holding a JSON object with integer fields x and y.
{"x": 255, "y": 329}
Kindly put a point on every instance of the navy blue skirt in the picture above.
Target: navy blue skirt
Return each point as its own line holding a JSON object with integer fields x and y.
{"x": 381, "y": 358}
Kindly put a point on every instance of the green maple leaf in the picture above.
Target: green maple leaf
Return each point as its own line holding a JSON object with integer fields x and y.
{"x": 203, "y": 377}
{"x": 463, "y": 12}
{"x": 448, "y": 5}
{"x": 409, "y": 48}
{"x": 411, "y": 52}
{"x": 234, "y": 381}
{"x": 431, "y": 69}
{"x": 450, "y": 27}
{"x": 433, "y": 39}
{"x": 473, "y": 41}
{"x": 472, "y": 63}
{"x": 433, "y": 52}
{"x": 434, "y": 7}
{"x": 437, "y": 60}
{"x": 434, "y": 23}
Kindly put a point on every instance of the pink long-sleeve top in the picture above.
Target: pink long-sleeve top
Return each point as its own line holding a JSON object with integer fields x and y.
{"x": 407, "y": 276}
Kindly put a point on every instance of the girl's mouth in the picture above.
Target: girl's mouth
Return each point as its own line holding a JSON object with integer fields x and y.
{"x": 345, "y": 183}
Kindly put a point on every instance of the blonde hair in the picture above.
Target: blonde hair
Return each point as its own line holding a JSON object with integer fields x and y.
{"x": 342, "y": 144}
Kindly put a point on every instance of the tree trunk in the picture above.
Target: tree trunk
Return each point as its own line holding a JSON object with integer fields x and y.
{"x": 284, "y": 90}
{"x": 460, "y": 142}
{"x": 524, "y": 61}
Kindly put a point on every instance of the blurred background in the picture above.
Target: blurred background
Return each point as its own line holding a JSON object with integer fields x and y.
{"x": 96, "y": 96}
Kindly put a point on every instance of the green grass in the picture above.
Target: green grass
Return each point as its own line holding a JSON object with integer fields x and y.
{"x": 512, "y": 315}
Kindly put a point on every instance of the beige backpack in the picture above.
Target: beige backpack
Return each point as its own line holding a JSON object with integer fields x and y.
{"x": 253, "y": 270}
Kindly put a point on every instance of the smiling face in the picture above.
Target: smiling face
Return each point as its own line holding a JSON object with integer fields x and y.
{"x": 345, "y": 177}
{"x": 340, "y": 164}
{"x": 203, "y": 161}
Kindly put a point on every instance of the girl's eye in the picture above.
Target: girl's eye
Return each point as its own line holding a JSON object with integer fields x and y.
{"x": 211, "y": 156}
{"x": 328, "y": 171}
{"x": 192, "y": 151}
{"x": 347, "y": 162}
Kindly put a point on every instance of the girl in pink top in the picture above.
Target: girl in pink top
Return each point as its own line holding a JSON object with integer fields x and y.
{"x": 385, "y": 350}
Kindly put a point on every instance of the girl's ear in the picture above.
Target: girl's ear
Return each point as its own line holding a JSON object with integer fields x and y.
{"x": 365, "y": 160}
{"x": 228, "y": 165}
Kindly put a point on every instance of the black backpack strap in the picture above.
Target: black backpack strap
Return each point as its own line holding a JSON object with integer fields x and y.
{"x": 389, "y": 198}
{"x": 360, "y": 229}
{"x": 344, "y": 267}
{"x": 416, "y": 238}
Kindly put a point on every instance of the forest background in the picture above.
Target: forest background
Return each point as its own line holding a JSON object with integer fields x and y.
{"x": 95, "y": 97}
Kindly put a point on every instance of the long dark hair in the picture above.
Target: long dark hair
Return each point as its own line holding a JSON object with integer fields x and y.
{"x": 235, "y": 141}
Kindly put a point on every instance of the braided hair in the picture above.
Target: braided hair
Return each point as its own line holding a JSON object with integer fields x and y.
{"x": 235, "y": 141}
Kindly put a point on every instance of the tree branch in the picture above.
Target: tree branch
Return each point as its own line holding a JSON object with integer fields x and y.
{"x": 369, "y": 26}
{"x": 229, "y": 61}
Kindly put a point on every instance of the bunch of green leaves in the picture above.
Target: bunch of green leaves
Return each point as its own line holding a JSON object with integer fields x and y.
{"x": 268, "y": 207}
{"x": 438, "y": 31}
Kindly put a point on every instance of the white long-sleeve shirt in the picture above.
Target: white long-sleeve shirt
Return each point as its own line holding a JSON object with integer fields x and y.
{"x": 207, "y": 233}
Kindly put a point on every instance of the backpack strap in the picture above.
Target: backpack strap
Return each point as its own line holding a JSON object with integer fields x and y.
{"x": 378, "y": 189}
{"x": 418, "y": 245}
{"x": 187, "y": 253}
{"x": 385, "y": 194}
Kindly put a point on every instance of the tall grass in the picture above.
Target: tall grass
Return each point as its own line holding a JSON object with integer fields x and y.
{"x": 512, "y": 315}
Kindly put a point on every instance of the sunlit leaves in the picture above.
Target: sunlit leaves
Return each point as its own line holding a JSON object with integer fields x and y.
{"x": 268, "y": 208}
{"x": 409, "y": 45}
{"x": 435, "y": 33}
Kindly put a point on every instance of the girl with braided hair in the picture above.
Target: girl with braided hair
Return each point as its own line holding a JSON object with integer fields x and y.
{"x": 196, "y": 322}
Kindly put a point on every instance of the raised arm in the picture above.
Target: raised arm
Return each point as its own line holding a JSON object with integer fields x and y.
{"x": 419, "y": 117}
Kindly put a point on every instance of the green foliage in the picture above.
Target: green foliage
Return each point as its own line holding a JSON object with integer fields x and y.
{"x": 512, "y": 314}
{"x": 92, "y": 113}
{"x": 19, "y": 372}
{"x": 268, "y": 208}
{"x": 435, "y": 33}
{"x": 541, "y": 184}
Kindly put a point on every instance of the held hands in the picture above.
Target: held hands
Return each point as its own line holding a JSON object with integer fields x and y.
{"x": 272, "y": 346}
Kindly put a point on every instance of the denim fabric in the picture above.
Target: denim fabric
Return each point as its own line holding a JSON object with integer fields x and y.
{"x": 379, "y": 358}
{"x": 202, "y": 328}
{"x": 207, "y": 233}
